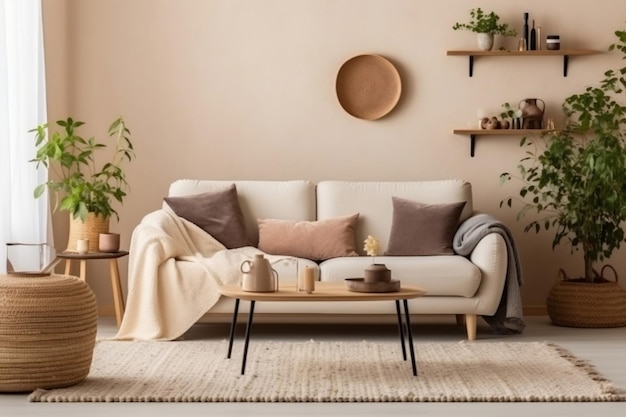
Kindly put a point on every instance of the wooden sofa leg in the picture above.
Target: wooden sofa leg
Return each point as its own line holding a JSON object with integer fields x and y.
{"x": 470, "y": 325}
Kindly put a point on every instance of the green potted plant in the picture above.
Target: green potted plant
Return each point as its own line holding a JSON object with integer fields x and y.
{"x": 486, "y": 25}
{"x": 79, "y": 184}
{"x": 575, "y": 180}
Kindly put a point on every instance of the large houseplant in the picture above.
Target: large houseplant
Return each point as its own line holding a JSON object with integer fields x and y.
{"x": 486, "y": 25}
{"x": 78, "y": 183}
{"x": 575, "y": 180}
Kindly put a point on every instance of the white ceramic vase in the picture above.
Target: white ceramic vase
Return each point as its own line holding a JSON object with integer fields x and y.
{"x": 485, "y": 41}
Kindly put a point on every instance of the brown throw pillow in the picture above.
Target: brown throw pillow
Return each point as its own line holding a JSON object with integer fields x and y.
{"x": 315, "y": 240}
{"x": 216, "y": 212}
{"x": 423, "y": 229}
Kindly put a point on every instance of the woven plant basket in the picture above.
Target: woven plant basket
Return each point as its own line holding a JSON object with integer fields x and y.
{"x": 577, "y": 303}
{"x": 90, "y": 229}
{"x": 48, "y": 331}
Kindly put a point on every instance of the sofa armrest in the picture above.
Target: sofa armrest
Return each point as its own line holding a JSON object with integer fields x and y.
{"x": 490, "y": 256}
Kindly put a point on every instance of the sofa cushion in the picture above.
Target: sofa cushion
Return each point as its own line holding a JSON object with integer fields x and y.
{"x": 439, "y": 276}
{"x": 216, "y": 212}
{"x": 259, "y": 199}
{"x": 372, "y": 199}
{"x": 316, "y": 240}
{"x": 423, "y": 229}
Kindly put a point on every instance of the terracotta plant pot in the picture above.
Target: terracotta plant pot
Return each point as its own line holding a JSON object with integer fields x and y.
{"x": 109, "y": 242}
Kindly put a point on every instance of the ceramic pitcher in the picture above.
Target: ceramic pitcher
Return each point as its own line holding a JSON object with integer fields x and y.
{"x": 258, "y": 275}
{"x": 532, "y": 112}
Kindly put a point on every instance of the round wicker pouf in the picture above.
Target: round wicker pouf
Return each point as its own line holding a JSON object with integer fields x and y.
{"x": 48, "y": 328}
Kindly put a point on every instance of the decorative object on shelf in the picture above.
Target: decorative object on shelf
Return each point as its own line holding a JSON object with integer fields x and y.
{"x": 526, "y": 43}
{"x": 486, "y": 25}
{"x": 490, "y": 123}
{"x": 574, "y": 179}
{"x": 532, "y": 113}
{"x": 521, "y": 44}
{"x": 485, "y": 41}
{"x": 539, "y": 38}
{"x": 48, "y": 326}
{"x": 79, "y": 186}
{"x": 109, "y": 242}
{"x": 532, "y": 40}
{"x": 553, "y": 42}
{"x": 258, "y": 275}
{"x": 368, "y": 86}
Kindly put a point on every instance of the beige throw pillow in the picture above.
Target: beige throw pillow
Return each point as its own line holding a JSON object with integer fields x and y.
{"x": 423, "y": 229}
{"x": 217, "y": 212}
{"x": 315, "y": 240}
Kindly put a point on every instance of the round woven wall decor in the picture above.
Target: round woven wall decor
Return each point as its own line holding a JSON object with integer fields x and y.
{"x": 368, "y": 86}
{"x": 48, "y": 331}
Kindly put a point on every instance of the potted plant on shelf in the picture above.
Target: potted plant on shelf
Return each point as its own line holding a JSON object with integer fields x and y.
{"x": 486, "y": 25}
{"x": 575, "y": 179}
{"x": 79, "y": 185}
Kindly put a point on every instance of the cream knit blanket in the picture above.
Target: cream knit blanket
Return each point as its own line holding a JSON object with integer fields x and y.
{"x": 174, "y": 272}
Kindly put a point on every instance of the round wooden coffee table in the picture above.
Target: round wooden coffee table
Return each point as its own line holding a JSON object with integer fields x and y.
{"x": 324, "y": 291}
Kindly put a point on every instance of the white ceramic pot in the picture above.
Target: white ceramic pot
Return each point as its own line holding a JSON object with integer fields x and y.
{"x": 485, "y": 41}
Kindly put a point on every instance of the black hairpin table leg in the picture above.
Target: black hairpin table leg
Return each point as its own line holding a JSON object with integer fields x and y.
{"x": 245, "y": 346}
{"x": 410, "y": 335}
{"x": 233, "y": 324}
{"x": 401, "y": 329}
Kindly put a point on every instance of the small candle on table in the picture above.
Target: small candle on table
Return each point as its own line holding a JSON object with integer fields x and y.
{"x": 82, "y": 246}
{"x": 309, "y": 280}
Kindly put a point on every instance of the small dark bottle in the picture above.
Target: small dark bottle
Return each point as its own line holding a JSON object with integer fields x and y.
{"x": 526, "y": 30}
{"x": 533, "y": 38}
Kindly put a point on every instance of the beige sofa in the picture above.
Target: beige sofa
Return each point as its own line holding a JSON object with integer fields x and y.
{"x": 465, "y": 286}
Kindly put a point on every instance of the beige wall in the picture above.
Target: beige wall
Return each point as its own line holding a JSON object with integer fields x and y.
{"x": 228, "y": 89}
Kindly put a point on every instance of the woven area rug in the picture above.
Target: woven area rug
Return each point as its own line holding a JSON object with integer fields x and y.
{"x": 310, "y": 371}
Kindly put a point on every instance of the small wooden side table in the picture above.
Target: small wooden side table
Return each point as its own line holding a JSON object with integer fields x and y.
{"x": 114, "y": 271}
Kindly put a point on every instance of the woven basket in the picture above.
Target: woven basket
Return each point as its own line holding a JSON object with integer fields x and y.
{"x": 90, "y": 229}
{"x": 577, "y": 303}
{"x": 48, "y": 331}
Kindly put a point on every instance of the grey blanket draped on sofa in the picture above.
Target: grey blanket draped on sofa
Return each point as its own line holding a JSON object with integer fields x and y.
{"x": 508, "y": 318}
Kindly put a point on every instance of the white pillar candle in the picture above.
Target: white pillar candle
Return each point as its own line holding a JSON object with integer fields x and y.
{"x": 82, "y": 246}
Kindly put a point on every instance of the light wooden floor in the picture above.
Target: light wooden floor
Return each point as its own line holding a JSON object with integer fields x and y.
{"x": 605, "y": 348}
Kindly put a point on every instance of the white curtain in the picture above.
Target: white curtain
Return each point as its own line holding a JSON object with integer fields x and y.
{"x": 22, "y": 107}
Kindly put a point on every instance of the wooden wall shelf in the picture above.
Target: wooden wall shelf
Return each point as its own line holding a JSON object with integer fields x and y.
{"x": 565, "y": 53}
{"x": 473, "y": 133}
